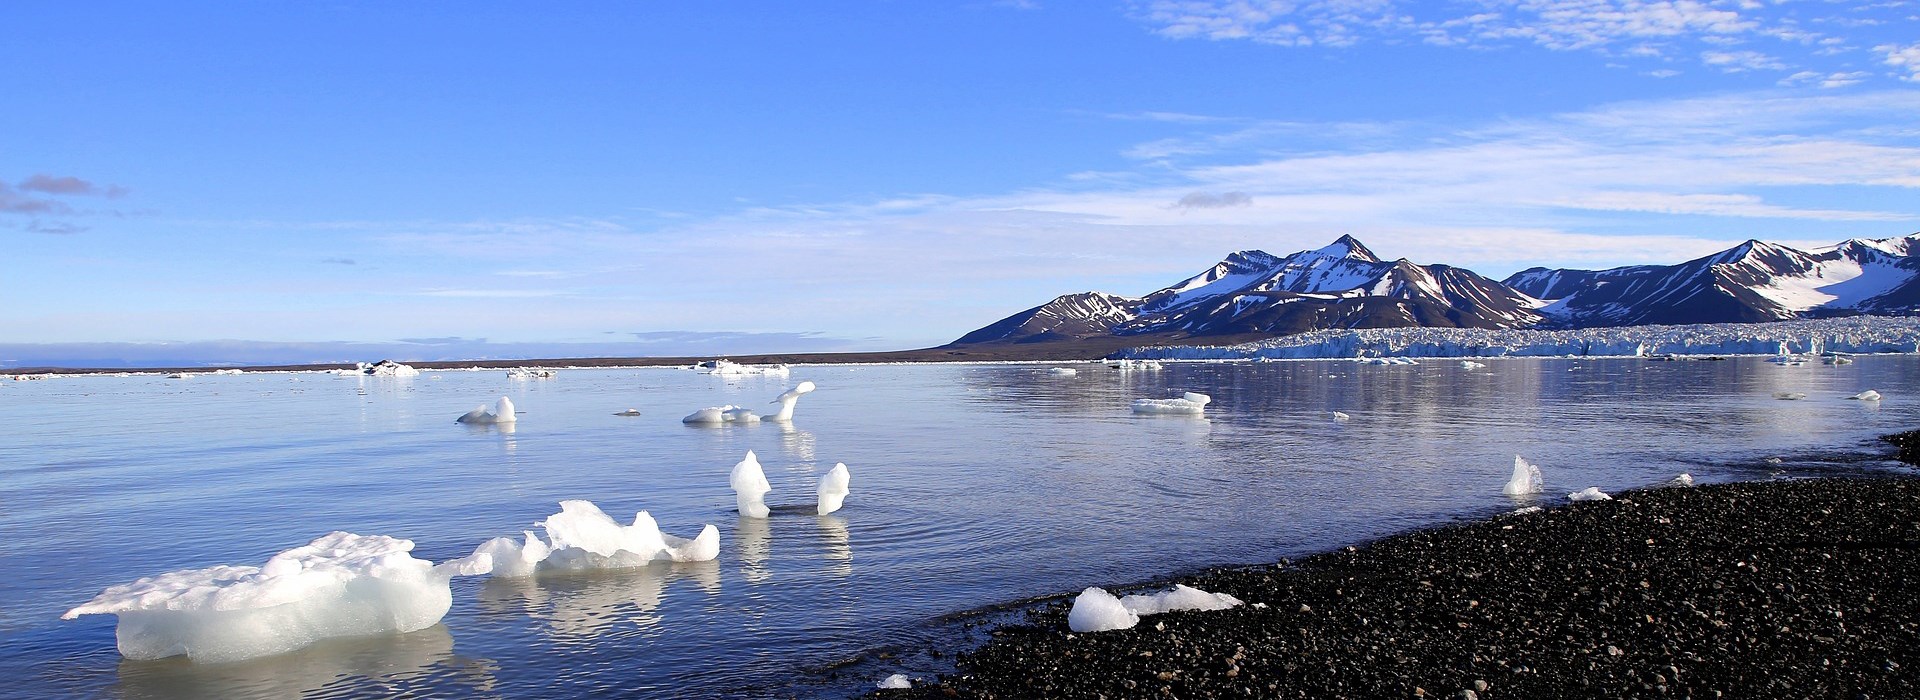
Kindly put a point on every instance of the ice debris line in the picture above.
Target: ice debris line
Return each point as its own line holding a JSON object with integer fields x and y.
{"x": 1189, "y": 403}
{"x": 582, "y": 537}
{"x": 340, "y": 585}
{"x": 1096, "y": 610}
{"x": 729, "y": 368}
{"x": 502, "y": 413}
{"x": 385, "y": 368}
{"x": 750, "y": 487}
{"x": 737, "y": 414}
{"x": 1525, "y": 479}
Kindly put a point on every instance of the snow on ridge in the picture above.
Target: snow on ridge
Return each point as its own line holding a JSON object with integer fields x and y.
{"x": 1855, "y": 334}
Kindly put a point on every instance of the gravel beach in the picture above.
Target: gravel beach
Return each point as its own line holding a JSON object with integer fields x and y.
{"x": 1777, "y": 589}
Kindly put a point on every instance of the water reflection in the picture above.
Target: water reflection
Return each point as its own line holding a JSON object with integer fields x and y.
{"x": 838, "y": 552}
{"x": 579, "y": 607}
{"x": 755, "y": 536}
{"x": 795, "y": 443}
{"x": 392, "y": 663}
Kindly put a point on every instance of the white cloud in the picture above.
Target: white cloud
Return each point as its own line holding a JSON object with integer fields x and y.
{"x": 1738, "y": 61}
{"x": 1904, "y": 59}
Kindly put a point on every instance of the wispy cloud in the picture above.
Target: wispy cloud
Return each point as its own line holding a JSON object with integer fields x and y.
{"x": 1904, "y": 59}
{"x": 1209, "y": 200}
{"x": 45, "y": 203}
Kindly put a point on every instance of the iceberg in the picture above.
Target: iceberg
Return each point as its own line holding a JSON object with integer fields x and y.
{"x": 387, "y": 368}
{"x": 1470, "y": 364}
{"x": 729, "y": 368}
{"x": 339, "y": 585}
{"x": 1096, "y": 610}
{"x": 581, "y": 536}
{"x": 525, "y": 373}
{"x": 750, "y": 487}
{"x": 629, "y": 412}
{"x": 502, "y": 413}
{"x": 832, "y": 489}
{"x": 1182, "y": 597}
{"x": 1189, "y": 403}
{"x": 787, "y": 400}
{"x": 1063, "y": 371}
{"x": 1868, "y": 395}
{"x": 1590, "y": 493}
{"x": 1525, "y": 480}
{"x": 721, "y": 414}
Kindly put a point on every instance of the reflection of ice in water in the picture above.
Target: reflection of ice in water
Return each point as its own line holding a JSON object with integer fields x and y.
{"x": 797, "y": 444}
{"x": 755, "y": 537}
{"x": 839, "y": 554}
{"x": 578, "y": 607}
{"x": 392, "y": 663}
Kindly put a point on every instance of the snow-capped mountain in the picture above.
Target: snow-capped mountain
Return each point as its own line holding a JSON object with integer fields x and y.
{"x": 1344, "y": 285}
{"x": 1752, "y": 282}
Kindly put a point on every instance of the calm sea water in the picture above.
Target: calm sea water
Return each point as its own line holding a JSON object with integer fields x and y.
{"x": 972, "y": 485}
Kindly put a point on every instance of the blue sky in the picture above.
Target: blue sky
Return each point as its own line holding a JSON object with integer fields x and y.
{"x": 881, "y": 175}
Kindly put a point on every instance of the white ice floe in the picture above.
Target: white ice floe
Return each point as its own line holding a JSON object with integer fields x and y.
{"x": 1470, "y": 364}
{"x": 1096, "y": 610}
{"x": 722, "y": 414}
{"x": 1063, "y": 371}
{"x": 1868, "y": 395}
{"x": 339, "y": 585}
{"x": 750, "y": 487}
{"x": 581, "y": 536}
{"x": 729, "y": 368}
{"x": 1341, "y": 417}
{"x": 629, "y": 412}
{"x": 502, "y": 413}
{"x": 1388, "y": 361}
{"x": 1182, "y": 597}
{"x": 526, "y": 373}
{"x": 787, "y": 400}
{"x": 1525, "y": 479}
{"x": 1789, "y": 395}
{"x": 833, "y": 489}
{"x": 1131, "y": 365}
{"x": 1590, "y": 493}
{"x": 388, "y": 368}
{"x": 1189, "y": 403}
{"x": 896, "y": 681}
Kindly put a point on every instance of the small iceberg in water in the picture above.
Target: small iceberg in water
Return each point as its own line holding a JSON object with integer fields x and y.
{"x": 1339, "y": 417}
{"x": 1470, "y": 364}
{"x": 750, "y": 487}
{"x": 387, "y": 368}
{"x": 581, "y": 536}
{"x": 714, "y": 415}
{"x": 1525, "y": 480}
{"x": 1189, "y": 403}
{"x": 1590, "y": 493}
{"x": 629, "y": 412}
{"x": 527, "y": 373}
{"x": 787, "y": 401}
{"x": 339, "y": 585}
{"x": 1063, "y": 371}
{"x": 1868, "y": 395}
{"x": 729, "y": 368}
{"x": 832, "y": 490}
{"x": 502, "y": 413}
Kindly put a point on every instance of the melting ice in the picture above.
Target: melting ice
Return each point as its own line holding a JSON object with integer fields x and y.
{"x": 502, "y": 413}
{"x": 1525, "y": 479}
{"x": 1190, "y": 404}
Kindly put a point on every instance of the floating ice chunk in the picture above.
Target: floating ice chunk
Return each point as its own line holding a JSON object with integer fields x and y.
{"x": 1096, "y": 610}
{"x": 1590, "y": 493}
{"x": 1683, "y": 480}
{"x": 722, "y": 414}
{"x": 1470, "y": 364}
{"x": 629, "y": 412}
{"x": 512, "y": 558}
{"x": 502, "y": 413}
{"x": 1182, "y": 597}
{"x": 1789, "y": 395}
{"x": 339, "y": 585}
{"x": 1129, "y": 365}
{"x": 895, "y": 682}
{"x": 525, "y": 373}
{"x": 1063, "y": 371}
{"x": 388, "y": 368}
{"x": 1341, "y": 417}
{"x": 1868, "y": 395}
{"x": 787, "y": 400}
{"x": 1526, "y": 478}
{"x": 581, "y": 536}
{"x": 750, "y": 487}
{"x": 1189, "y": 403}
{"x": 729, "y": 368}
{"x": 833, "y": 489}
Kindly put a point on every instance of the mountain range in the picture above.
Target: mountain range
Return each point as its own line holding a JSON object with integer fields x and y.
{"x": 1344, "y": 285}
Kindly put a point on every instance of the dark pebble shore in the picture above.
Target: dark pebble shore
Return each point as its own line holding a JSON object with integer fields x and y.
{"x": 1778, "y": 589}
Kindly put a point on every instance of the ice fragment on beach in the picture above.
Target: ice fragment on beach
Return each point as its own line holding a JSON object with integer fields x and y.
{"x": 896, "y": 681}
{"x": 1684, "y": 479}
{"x": 1189, "y": 403}
{"x": 1590, "y": 493}
{"x": 1096, "y": 610}
{"x": 1529, "y": 510}
{"x": 339, "y": 585}
{"x": 833, "y": 489}
{"x": 502, "y": 413}
{"x": 1868, "y": 395}
{"x": 750, "y": 487}
{"x": 1525, "y": 479}
{"x": 1182, "y": 597}
{"x": 787, "y": 400}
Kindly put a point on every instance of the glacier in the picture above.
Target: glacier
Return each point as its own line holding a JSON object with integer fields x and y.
{"x": 1853, "y": 334}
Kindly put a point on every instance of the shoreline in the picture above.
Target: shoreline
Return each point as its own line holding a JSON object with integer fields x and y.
{"x": 1794, "y": 588}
